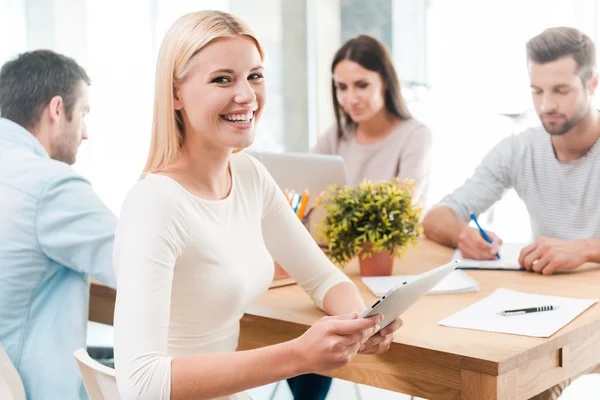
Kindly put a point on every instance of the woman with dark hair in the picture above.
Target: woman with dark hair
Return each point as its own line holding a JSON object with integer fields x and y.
{"x": 374, "y": 132}
{"x": 376, "y": 136}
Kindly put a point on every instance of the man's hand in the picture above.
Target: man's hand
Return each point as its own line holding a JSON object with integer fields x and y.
{"x": 380, "y": 342}
{"x": 547, "y": 255}
{"x": 472, "y": 245}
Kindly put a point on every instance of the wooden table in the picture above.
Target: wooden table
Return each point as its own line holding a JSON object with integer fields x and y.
{"x": 429, "y": 360}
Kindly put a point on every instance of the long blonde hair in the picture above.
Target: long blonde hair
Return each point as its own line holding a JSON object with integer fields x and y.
{"x": 188, "y": 35}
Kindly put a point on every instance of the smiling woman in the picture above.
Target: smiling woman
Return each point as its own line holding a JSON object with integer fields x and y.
{"x": 182, "y": 289}
{"x": 203, "y": 98}
{"x": 197, "y": 81}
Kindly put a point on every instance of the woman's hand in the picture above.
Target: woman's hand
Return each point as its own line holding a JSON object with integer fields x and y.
{"x": 333, "y": 342}
{"x": 380, "y": 343}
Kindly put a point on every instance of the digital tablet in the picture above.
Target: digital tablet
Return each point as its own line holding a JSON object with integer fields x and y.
{"x": 401, "y": 297}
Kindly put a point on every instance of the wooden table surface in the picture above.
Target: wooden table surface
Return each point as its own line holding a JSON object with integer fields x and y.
{"x": 433, "y": 361}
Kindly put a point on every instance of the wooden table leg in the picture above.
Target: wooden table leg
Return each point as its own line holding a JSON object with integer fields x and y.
{"x": 102, "y": 304}
{"x": 478, "y": 386}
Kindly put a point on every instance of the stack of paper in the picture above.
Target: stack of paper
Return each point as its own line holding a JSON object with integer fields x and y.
{"x": 456, "y": 282}
{"x": 509, "y": 258}
{"x": 484, "y": 316}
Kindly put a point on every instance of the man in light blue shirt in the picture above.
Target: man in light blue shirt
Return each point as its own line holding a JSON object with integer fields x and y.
{"x": 55, "y": 232}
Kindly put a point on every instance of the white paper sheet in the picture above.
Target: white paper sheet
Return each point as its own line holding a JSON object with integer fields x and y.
{"x": 456, "y": 282}
{"x": 509, "y": 258}
{"x": 483, "y": 315}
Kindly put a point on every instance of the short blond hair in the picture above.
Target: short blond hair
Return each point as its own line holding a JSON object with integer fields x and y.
{"x": 188, "y": 35}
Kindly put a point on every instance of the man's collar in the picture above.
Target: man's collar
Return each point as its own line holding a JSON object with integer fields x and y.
{"x": 15, "y": 133}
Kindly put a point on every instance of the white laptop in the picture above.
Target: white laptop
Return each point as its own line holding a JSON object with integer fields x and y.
{"x": 299, "y": 171}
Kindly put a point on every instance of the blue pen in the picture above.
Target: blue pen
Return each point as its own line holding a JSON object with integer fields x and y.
{"x": 483, "y": 234}
{"x": 295, "y": 207}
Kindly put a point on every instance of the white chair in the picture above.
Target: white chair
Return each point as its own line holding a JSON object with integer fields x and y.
{"x": 99, "y": 380}
{"x": 11, "y": 386}
{"x": 586, "y": 387}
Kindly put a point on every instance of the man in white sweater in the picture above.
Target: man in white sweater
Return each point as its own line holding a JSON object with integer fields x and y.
{"x": 555, "y": 168}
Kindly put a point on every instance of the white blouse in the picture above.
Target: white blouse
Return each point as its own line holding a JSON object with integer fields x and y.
{"x": 187, "y": 269}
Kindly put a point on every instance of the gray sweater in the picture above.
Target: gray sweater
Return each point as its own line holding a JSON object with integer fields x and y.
{"x": 562, "y": 198}
{"x": 404, "y": 153}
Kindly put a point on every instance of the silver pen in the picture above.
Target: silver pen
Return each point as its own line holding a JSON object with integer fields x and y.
{"x": 518, "y": 311}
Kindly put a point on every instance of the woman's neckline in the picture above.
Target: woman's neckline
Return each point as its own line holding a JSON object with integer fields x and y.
{"x": 399, "y": 126}
{"x": 185, "y": 190}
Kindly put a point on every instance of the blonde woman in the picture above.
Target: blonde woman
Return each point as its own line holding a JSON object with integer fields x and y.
{"x": 198, "y": 233}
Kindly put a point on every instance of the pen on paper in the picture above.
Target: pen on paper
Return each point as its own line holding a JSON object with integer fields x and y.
{"x": 528, "y": 310}
{"x": 482, "y": 232}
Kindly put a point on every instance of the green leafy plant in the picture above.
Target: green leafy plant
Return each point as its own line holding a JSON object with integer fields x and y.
{"x": 371, "y": 217}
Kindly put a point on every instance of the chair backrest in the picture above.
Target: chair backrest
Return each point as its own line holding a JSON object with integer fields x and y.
{"x": 99, "y": 380}
{"x": 11, "y": 386}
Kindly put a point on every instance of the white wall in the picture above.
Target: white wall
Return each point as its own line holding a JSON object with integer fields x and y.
{"x": 474, "y": 53}
{"x": 12, "y": 28}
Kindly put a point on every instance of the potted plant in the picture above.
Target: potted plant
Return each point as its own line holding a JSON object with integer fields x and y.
{"x": 374, "y": 221}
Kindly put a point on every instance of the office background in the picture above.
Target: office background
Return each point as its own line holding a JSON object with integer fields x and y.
{"x": 461, "y": 63}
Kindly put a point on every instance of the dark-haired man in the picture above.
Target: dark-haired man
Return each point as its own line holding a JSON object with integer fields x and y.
{"x": 54, "y": 230}
{"x": 554, "y": 168}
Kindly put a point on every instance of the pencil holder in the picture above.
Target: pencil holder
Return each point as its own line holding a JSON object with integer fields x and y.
{"x": 306, "y": 223}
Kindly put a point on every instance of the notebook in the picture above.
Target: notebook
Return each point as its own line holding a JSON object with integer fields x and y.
{"x": 483, "y": 315}
{"x": 509, "y": 259}
{"x": 455, "y": 282}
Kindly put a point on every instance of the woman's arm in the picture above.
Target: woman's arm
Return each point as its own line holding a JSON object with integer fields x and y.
{"x": 292, "y": 246}
{"x": 329, "y": 344}
{"x": 330, "y": 288}
{"x": 343, "y": 298}
{"x": 208, "y": 376}
{"x": 150, "y": 236}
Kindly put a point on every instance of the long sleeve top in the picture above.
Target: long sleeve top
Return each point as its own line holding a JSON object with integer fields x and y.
{"x": 404, "y": 153}
{"x": 55, "y": 232}
{"x": 187, "y": 268}
{"x": 561, "y": 196}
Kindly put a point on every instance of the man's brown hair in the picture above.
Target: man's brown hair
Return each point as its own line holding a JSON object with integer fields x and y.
{"x": 555, "y": 43}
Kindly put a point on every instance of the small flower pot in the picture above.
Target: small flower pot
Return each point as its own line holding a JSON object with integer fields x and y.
{"x": 381, "y": 263}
